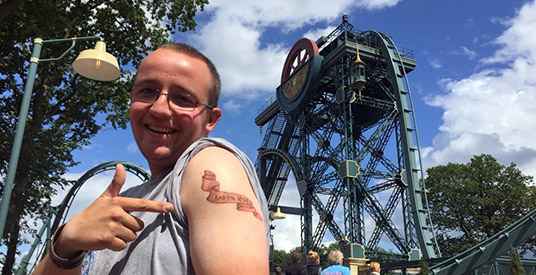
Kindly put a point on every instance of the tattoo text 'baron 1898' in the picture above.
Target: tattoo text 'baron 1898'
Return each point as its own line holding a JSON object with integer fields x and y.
{"x": 210, "y": 184}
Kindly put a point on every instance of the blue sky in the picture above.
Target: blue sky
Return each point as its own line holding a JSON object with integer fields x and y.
{"x": 474, "y": 86}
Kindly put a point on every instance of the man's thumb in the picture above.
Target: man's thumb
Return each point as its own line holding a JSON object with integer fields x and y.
{"x": 117, "y": 183}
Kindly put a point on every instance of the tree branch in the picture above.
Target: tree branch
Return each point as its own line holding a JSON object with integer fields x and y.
{"x": 56, "y": 109}
{"x": 8, "y": 6}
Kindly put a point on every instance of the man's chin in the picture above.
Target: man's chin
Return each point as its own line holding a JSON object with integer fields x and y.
{"x": 158, "y": 165}
{"x": 159, "y": 155}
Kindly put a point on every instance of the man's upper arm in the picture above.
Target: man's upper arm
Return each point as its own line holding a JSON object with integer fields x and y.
{"x": 226, "y": 226}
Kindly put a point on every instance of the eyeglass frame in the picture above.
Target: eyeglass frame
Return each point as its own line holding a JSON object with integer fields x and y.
{"x": 167, "y": 96}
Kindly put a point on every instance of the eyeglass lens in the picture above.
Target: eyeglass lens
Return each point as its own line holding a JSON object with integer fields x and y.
{"x": 183, "y": 101}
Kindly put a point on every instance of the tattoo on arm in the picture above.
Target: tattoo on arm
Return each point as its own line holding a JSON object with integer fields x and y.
{"x": 210, "y": 184}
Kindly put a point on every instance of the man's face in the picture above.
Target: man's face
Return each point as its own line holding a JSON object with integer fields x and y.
{"x": 163, "y": 133}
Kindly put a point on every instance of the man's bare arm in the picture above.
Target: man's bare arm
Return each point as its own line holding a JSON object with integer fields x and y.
{"x": 227, "y": 231}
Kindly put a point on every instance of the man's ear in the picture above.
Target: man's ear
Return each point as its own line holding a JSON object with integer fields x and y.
{"x": 213, "y": 119}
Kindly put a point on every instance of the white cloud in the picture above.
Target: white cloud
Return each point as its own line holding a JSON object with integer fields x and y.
{"x": 519, "y": 39}
{"x": 469, "y": 53}
{"x": 492, "y": 111}
{"x": 232, "y": 38}
{"x": 288, "y": 15}
{"x": 132, "y": 147}
{"x": 232, "y": 106}
{"x": 377, "y": 4}
{"x": 243, "y": 65}
{"x": 316, "y": 33}
{"x": 500, "y": 20}
{"x": 435, "y": 63}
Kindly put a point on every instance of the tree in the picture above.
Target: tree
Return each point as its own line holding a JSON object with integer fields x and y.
{"x": 425, "y": 268}
{"x": 471, "y": 202}
{"x": 66, "y": 109}
{"x": 282, "y": 258}
{"x": 7, "y": 6}
{"x": 516, "y": 267}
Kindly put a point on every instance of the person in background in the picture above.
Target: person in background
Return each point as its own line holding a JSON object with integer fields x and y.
{"x": 335, "y": 258}
{"x": 313, "y": 265}
{"x": 296, "y": 268}
{"x": 375, "y": 268}
{"x": 278, "y": 270}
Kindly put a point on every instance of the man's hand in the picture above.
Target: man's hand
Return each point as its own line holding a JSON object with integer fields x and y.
{"x": 106, "y": 223}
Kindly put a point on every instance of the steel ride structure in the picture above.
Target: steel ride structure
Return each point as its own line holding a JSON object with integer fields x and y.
{"x": 343, "y": 124}
{"x": 59, "y": 213}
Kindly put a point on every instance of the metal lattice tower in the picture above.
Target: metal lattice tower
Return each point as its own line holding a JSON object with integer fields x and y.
{"x": 343, "y": 124}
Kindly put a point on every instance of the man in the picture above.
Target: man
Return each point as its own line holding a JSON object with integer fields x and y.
{"x": 202, "y": 212}
{"x": 296, "y": 268}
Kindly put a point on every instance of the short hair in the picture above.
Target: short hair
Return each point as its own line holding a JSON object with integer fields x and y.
{"x": 312, "y": 256}
{"x": 375, "y": 266}
{"x": 335, "y": 257}
{"x": 296, "y": 257}
{"x": 214, "y": 93}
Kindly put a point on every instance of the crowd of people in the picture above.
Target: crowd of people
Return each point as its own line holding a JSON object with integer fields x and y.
{"x": 313, "y": 267}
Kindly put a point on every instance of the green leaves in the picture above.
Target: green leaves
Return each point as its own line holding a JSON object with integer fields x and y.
{"x": 471, "y": 202}
{"x": 516, "y": 267}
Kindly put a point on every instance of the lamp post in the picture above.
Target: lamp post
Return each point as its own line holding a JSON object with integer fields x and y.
{"x": 277, "y": 215}
{"x": 95, "y": 64}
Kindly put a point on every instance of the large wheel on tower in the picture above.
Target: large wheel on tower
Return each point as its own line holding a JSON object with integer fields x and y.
{"x": 343, "y": 123}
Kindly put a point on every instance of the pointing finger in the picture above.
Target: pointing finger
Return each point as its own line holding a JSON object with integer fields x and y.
{"x": 117, "y": 183}
{"x": 133, "y": 204}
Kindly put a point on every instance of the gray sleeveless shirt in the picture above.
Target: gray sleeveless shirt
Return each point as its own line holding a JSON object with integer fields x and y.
{"x": 162, "y": 247}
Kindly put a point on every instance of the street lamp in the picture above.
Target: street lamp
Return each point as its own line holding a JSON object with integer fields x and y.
{"x": 95, "y": 64}
{"x": 277, "y": 215}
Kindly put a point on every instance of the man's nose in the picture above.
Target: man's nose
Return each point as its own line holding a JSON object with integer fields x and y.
{"x": 161, "y": 106}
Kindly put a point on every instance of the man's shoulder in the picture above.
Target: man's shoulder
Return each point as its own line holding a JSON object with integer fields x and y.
{"x": 213, "y": 151}
{"x": 214, "y": 157}
{"x": 213, "y": 141}
{"x": 216, "y": 146}
{"x": 218, "y": 165}
{"x": 216, "y": 152}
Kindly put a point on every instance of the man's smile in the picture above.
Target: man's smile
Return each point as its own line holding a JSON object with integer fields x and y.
{"x": 161, "y": 130}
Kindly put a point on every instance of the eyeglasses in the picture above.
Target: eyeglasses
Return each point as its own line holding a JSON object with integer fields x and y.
{"x": 180, "y": 101}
